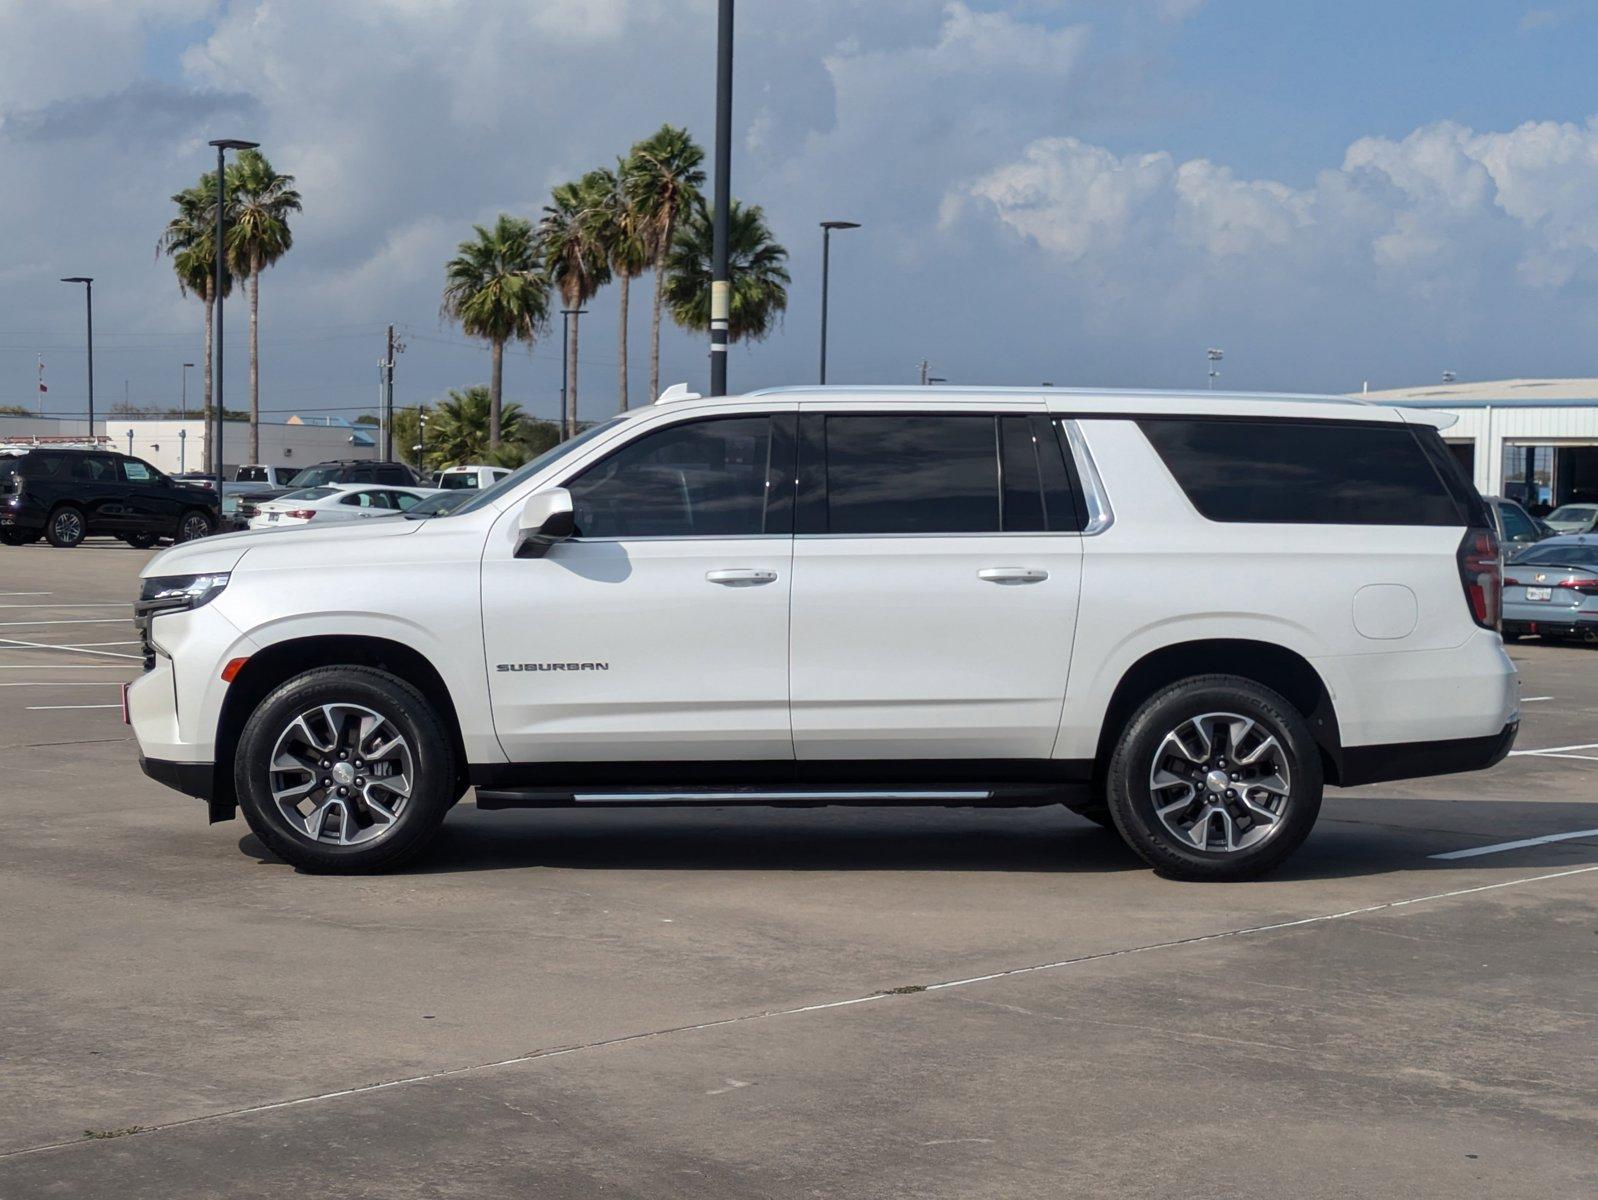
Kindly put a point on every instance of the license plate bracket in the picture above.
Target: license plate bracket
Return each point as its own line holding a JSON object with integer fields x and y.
{"x": 1539, "y": 593}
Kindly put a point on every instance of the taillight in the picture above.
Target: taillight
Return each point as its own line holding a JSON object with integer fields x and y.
{"x": 1481, "y": 570}
{"x": 1587, "y": 587}
{"x": 302, "y": 514}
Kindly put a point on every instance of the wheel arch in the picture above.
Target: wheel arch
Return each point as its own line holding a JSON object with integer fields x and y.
{"x": 280, "y": 661}
{"x": 1277, "y": 667}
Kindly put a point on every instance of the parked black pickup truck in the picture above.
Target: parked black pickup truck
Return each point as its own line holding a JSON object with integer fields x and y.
{"x": 67, "y": 495}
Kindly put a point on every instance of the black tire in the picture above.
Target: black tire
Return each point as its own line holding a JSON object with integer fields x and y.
{"x": 16, "y": 537}
{"x": 433, "y": 779}
{"x": 66, "y": 527}
{"x": 1132, "y": 801}
{"x": 194, "y": 524}
{"x": 141, "y": 541}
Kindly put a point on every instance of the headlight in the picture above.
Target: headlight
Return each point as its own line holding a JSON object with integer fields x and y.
{"x": 168, "y": 593}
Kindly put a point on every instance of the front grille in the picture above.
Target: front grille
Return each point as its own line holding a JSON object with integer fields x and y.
{"x": 144, "y": 613}
{"x": 146, "y": 647}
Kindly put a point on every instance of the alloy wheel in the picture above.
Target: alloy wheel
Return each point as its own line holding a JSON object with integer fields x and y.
{"x": 194, "y": 526}
{"x": 1221, "y": 782}
{"x": 341, "y": 774}
{"x": 68, "y": 525}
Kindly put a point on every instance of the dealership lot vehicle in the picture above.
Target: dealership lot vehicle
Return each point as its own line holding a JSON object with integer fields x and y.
{"x": 1574, "y": 518}
{"x": 1514, "y": 525}
{"x": 336, "y": 502}
{"x": 1551, "y": 590}
{"x": 833, "y": 596}
{"x": 469, "y": 478}
{"x": 647, "y": 966}
{"x": 266, "y": 475}
{"x": 65, "y": 496}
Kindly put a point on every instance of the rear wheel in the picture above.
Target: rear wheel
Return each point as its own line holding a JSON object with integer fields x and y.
{"x": 66, "y": 527}
{"x": 1215, "y": 778}
{"x": 16, "y": 537}
{"x": 345, "y": 769}
{"x": 195, "y": 524}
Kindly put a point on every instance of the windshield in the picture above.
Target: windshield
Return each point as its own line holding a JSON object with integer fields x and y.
{"x": 437, "y": 506}
{"x": 1574, "y": 513}
{"x": 459, "y": 481}
{"x": 313, "y": 493}
{"x": 250, "y": 475}
{"x": 488, "y": 495}
{"x": 314, "y": 476}
{"x": 1571, "y": 554}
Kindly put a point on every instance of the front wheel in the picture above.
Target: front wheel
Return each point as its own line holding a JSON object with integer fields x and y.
{"x": 16, "y": 537}
{"x": 345, "y": 769}
{"x": 1216, "y": 777}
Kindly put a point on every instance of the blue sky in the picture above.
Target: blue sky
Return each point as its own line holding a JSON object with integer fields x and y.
{"x": 1087, "y": 192}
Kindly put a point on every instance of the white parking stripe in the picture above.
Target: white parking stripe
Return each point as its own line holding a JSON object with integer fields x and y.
{"x": 1500, "y": 847}
{"x": 1557, "y": 749}
{"x": 1534, "y": 699}
{"x": 61, "y": 666}
{"x": 69, "y": 621}
{"x": 17, "y": 644}
{"x": 100, "y": 683}
{"x": 86, "y": 604}
{"x": 27, "y": 593}
{"x": 59, "y": 707}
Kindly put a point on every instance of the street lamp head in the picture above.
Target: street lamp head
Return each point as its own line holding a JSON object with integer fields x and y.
{"x": 188, "y": 364}
{"x": 234, "y": 144}
{"x": 840, "y": 224}
{"x": 77, "y": 279}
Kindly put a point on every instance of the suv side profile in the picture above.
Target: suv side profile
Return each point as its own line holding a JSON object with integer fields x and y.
{"x": 68, "y": 495}
{"x": 1179, "y": 615}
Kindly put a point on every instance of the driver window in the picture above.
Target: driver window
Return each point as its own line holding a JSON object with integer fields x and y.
{"x": 137, "y": 471}
{"x": 696, "y": 479}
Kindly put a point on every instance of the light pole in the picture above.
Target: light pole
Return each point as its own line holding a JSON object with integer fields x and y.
{"x": 223, "y": 145}
{"x": 1215, "y": 357}
{"x": 568, "y": 426}
{"x": 130, "y": 443}
{"x": 183, "y": 402}
{"x": 183, "y": 445}
{"x": 421, "y": 443}
{"x": 826, "y": 254}
{"x": 88, "y": 301}
{"x": 720, "y": 278}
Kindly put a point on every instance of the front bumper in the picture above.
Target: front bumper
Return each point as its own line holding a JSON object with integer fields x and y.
{"x": 1412, "y": 760}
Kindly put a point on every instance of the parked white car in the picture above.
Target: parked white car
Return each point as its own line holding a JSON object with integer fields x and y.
{"x": 469, "y": 477}
{"x": 337, "y": 502}
{"x": 1180, "y": 615}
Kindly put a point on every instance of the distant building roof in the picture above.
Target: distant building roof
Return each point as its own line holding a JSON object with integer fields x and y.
{"x": 1510, "y": 393}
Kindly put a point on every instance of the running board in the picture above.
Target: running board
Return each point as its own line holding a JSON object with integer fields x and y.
{"x": 497, "y": 798}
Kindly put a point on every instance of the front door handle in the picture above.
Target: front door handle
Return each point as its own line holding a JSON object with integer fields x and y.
{"x": 741, "y": 578}
{"x": 1013, "y": 574}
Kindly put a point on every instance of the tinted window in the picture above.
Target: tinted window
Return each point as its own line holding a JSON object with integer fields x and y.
{"x": 912, "y": 473}
{"x": 404, "y": 501}
{"x": 464, "y": 479}
{"x": 1303, "y": 472}
{"x": 1021, "y": 482}
{"x": 46, "y": 466}
{"x": 703, "y": 478}
{"x": 94, "y": 468}
{"x": 316, "y": 476}
{"x": 251, "y": 475}
{"x": 393, "y": 475}
{"x": 1516, "y": 523}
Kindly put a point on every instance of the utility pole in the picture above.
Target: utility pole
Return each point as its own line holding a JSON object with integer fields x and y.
{"x": 387, "y": 365}
{"x": 88, "y": 310}
{"x": 183, "y": 402}
{"x": 826, "y": 255}
{"x": 928, "y": 379}
{"x": 1215, "y": 356}
{"x": 720, "y": 280}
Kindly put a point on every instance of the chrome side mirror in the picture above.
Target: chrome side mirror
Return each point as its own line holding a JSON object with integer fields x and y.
{"x": 546, "y": 520}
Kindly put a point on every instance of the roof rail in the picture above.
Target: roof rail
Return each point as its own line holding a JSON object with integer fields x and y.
{"x": 677, "y": 391}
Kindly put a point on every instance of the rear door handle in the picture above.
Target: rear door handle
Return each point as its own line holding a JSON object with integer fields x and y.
{"x": 1013, "y": 574}
{"x": 741, "y": 577}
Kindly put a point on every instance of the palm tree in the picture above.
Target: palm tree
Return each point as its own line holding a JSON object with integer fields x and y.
{"x": 618, "y": 229}
{"x": 189, "y": 239}
{"x": 665, "y": 179}
{"x": 495, "y": 286}
{"x": 754, "y": 267}
{"x": 258, "y": 235}
{"x": 576, "y": 262}
{"x": 457, "y": 426}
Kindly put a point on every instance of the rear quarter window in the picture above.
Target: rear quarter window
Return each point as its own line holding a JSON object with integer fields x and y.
{"x": 1304, "y": 472}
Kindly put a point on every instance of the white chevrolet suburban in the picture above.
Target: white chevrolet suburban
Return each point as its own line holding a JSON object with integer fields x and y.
{"x": 1179, "y": 615}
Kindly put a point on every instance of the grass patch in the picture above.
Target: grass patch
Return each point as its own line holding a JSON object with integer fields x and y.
{"x": 115, "y": 1133}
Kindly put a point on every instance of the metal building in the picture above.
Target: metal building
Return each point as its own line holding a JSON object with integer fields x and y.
{"x": 1533, "y": 440}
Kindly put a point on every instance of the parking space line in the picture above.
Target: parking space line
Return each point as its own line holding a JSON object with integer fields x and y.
{"x": 69, "y": 621}
{"x": 1500, "y": 847}
{"x": 904, "y": 994}
{"x": 1556, "y": 749}
{"x": 27, "y": 593}
{"x": 17, "y": 644}
{"x": 84, "y": 604}
{"x": 61, "y": 666}
{"x": 1534, "y": 699}
{"x": 106, "y": 683}
{"x": 63, "y": 707}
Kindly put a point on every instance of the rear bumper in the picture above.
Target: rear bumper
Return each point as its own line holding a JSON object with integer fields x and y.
{"x": 25, "y": 516}
{"x": 1412, "y": 760}
{"x": 1558, "y": 622}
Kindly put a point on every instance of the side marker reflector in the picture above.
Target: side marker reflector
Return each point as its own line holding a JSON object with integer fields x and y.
{"x": 231, "y": 671}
